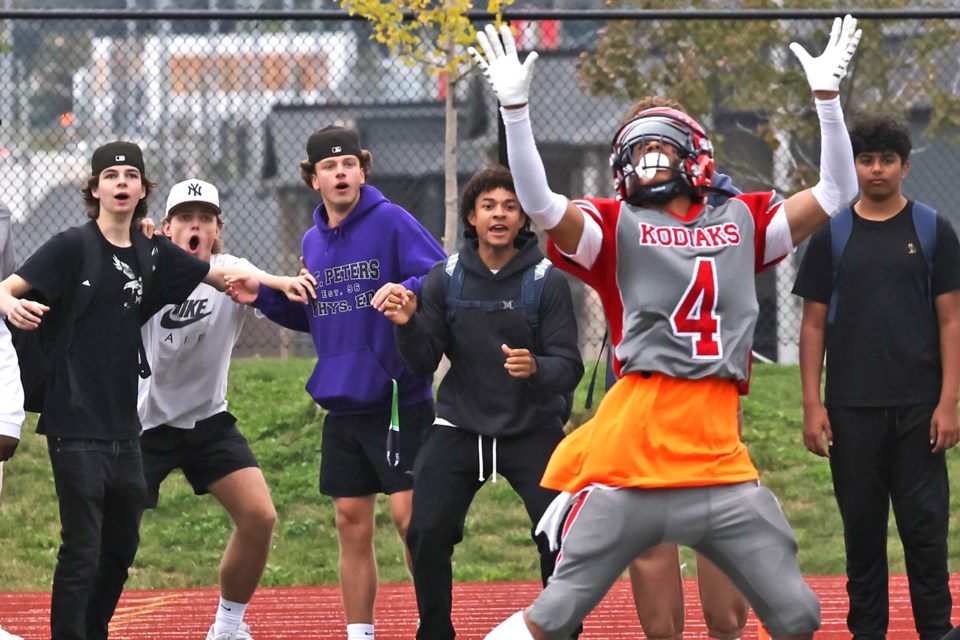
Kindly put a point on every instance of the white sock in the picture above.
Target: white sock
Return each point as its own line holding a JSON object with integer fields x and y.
{"x": 229, "y": 616}
{"x": 359, "y": 632}
{"x": 513, "y": 628}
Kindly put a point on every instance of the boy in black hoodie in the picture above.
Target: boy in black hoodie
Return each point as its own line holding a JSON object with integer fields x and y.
{"x": 502, "y": 405}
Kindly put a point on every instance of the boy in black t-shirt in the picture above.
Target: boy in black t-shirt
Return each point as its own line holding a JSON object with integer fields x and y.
{"x": 891, "y": 334}
{"x": 90, "y": 411}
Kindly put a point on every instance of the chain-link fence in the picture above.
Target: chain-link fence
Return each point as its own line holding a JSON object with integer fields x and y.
{"x": 231, "y": 97}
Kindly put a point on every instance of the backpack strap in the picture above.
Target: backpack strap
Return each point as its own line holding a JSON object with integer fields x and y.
{"x": 148, "y": 255}
{"x": 925, "y": 224}
{"x": 531, "y": 290}
{"x": 840, "y": 227}
{"x": 90, "y": 270}
{"x": 453, "y": 279}
{"x": 454, "y": 274}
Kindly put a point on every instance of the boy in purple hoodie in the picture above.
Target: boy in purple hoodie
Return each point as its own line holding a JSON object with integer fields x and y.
{"x": 360, "y": 242}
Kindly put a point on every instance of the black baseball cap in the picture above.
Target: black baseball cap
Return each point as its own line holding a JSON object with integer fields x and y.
{"x": 332, "y": 141}
{"x": 116, "y": 153}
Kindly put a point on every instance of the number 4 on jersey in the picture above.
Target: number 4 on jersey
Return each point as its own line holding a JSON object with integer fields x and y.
{"x": 696, "y": 314}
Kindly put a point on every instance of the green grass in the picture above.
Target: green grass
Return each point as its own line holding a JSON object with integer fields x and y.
{"x": 183, "y": 539}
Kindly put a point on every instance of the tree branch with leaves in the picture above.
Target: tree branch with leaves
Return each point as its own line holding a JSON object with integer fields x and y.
{"x": 435, "y": 38}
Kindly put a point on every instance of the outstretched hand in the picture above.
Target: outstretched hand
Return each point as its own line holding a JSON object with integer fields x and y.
{"x": 242, "y": 289}
{"x": 501, "y": 66}
{"x": 26, "y": 314}
{"x": 396, "y": 302}
{"x": 148, "y": 227}
{"x": 826, "y": 70}
{"x": 301, "y": 288}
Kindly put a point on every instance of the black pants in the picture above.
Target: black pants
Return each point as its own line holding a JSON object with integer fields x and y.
{"x": 446, "y": 478}
{"x": 879, "y": 456}
{"x": 101, "y": 492}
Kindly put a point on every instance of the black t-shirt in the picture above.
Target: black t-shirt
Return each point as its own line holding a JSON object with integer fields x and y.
{"x": 103, "y": 353}
{"x": 883, "y": 348}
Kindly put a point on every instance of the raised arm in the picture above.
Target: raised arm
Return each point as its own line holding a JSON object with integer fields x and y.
{"x": 552, "y": 212}
{"x": 301, "y": 288}
{"x": 807, "y": 210}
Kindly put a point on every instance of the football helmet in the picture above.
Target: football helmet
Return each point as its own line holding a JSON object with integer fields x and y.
{"x": 693, "y": 173}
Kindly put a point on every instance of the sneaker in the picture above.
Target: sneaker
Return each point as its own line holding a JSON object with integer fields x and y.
{"x": 243, "y": 633}
{"x": 6, "y": 635}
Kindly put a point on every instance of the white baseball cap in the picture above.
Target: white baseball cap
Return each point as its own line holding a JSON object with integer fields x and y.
{"x": 190, "y": 191}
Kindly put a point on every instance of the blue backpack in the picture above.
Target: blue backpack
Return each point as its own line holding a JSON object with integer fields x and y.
{"x": 841, "y": 225}
{"x": 531, "y": 289}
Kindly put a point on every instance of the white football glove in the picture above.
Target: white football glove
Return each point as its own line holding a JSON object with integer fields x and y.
{"x": 826, "y": 70}
{"x": 510, "y": 79}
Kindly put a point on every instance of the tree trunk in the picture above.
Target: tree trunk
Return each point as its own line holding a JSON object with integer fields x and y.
{"x": 450, "y": 189}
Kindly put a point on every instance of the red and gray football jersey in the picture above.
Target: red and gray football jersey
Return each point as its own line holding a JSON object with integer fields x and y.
{"x": 679, "y": 294}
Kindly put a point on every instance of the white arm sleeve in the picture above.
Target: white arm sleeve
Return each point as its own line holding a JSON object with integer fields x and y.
{"x": 544, "y": 207}
{"x": 779, "y": 241}
{"x": 838, "y": 175}
{"x": 589, "y": 247}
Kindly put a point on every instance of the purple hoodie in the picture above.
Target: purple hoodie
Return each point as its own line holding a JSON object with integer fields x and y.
{"x": 378, "y": 242}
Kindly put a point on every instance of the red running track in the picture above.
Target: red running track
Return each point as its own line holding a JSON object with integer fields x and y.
{"x": 313, "y": 613}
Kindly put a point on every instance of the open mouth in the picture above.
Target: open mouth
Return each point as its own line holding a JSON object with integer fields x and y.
{"x": 194, "y": 243}
{"x": 122, "y": 197}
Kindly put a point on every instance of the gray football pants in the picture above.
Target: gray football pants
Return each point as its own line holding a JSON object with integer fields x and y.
{"x": 739, "y": 527}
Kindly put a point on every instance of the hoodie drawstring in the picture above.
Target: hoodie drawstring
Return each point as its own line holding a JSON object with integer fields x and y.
{"x": 493, "y": 475}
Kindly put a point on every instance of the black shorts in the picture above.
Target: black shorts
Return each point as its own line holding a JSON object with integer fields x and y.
{"x": 212, "y": 450}
{"x": 353, "y": 453}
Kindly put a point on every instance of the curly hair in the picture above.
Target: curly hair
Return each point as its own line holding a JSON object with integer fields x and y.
{"x": 872, "y": 132}
{"x": 498, "y": 177}
{"x": 91, "y": 204}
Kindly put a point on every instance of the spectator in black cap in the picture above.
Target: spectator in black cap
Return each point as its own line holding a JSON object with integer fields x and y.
{"x": 360, "y": 243}
{"x": 89, "y": 414}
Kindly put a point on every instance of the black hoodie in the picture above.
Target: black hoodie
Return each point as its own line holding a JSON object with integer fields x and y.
{"x": 478, "y": 394}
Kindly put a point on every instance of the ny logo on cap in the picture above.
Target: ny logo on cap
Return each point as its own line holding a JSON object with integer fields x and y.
{"x": 193, "y": 189}
{"x": 336, "y": 149}
{"x": 119, "y": 158}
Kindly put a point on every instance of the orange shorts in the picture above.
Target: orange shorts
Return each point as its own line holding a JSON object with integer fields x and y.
{"x": 656, "y": 431}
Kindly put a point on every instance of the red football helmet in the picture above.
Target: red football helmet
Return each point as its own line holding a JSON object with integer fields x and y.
{"x": 694, "y": 173}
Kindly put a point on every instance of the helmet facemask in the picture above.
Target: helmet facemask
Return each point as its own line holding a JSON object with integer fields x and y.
{"x": 692, "y": 171}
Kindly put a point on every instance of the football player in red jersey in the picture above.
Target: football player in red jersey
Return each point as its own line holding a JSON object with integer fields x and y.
{"x": 662, "y": 460}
